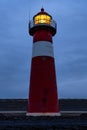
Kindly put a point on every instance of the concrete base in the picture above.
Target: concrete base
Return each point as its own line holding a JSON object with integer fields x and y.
{"x": 43, "y": 114}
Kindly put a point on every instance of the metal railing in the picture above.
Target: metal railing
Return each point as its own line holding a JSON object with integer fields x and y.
{"x": 52, "y": 24}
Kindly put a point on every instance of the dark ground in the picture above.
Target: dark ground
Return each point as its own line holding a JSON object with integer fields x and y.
{"x": 65, "y": 104}
{"x": 64, "y": 122}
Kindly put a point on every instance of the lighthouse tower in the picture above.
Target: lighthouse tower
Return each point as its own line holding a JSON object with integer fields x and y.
{"x": 43, "y": 97}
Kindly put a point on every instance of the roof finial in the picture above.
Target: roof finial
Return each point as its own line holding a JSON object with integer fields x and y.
{"x": 42, "y": 9}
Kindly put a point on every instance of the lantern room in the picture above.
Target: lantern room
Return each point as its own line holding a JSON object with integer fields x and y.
{"x": 42, "y": 17}
{"x": 42, "y": 20}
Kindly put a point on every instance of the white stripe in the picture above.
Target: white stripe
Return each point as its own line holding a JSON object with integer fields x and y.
{"x": 42, "y": 48}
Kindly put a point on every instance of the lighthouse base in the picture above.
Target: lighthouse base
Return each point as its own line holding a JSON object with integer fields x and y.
{"x": 43, "y": 114}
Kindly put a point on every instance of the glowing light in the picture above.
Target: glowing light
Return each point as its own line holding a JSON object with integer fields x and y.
{"x": 42, "y": 18}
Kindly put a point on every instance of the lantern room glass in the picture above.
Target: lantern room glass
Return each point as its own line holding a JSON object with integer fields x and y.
{"x": 42, "y": 18}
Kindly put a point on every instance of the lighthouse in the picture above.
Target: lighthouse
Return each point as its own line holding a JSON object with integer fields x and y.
{"x": 43, "y": 96}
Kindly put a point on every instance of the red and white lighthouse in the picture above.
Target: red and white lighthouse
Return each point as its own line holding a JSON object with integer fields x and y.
{"x": 43, "y": 97}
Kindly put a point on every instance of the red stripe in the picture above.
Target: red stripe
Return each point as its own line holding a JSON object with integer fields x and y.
{"x": 43, "y": 88}
{"x": 42, "y": 35}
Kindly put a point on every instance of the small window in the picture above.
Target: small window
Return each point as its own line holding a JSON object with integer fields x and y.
{"x": 44, "y": 100}
{"x": 44, "y": 58}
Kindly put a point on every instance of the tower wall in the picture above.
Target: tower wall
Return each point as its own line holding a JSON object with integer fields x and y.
{"x": 43, "y": 97}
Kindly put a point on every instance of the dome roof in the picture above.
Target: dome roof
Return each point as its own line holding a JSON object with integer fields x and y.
{"x": 42, "y": 12}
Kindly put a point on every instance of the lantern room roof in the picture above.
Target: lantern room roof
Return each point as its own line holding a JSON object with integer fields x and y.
{"x": 42, "y": 12}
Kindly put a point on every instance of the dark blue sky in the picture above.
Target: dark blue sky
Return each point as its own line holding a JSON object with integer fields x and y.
{"x": 70, "y": 46}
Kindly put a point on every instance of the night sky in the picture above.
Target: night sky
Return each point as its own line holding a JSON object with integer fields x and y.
{"x": 70, "y": 46}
